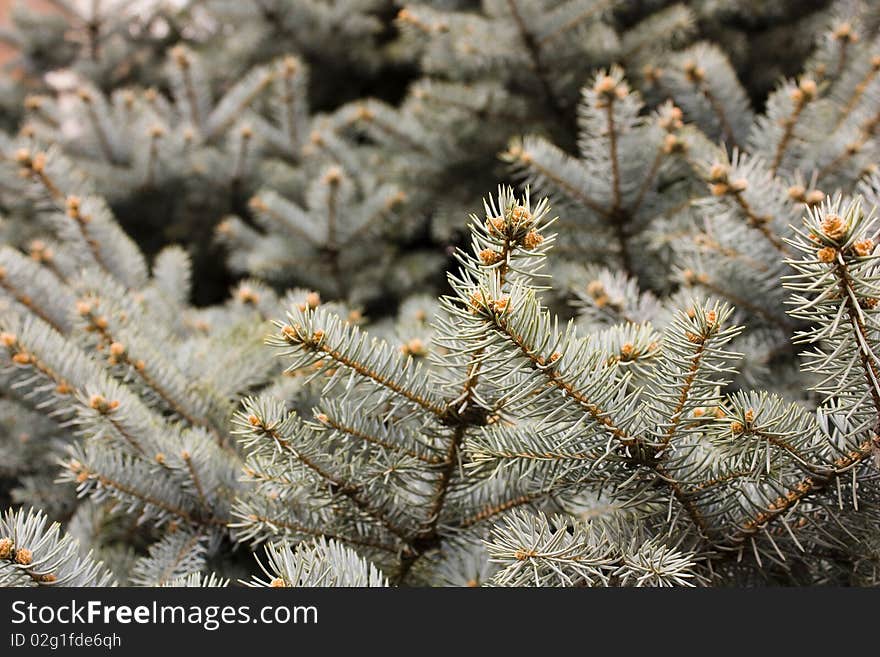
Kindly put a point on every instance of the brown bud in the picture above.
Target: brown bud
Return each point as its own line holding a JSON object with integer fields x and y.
{"x": 834, "y": 227}
{"x": 313, "y": 300}
{"x": 38, "y": 164}
{"x": 248, "y": 295}
{"x": 24, "y": 557}
{"x": 807, "y": 87}
{"x": 256, "y": 203}
{"x": 843, "y": 31}
{"x": 652, "y": 74}
{"x": 719, "y": 189}
{"x": 691, "y": 277}
{"x": 826, "y": 254}
{"x": 45, "y": 255}
{"x": 694, "y": 72}
{"x": 718, "y": 172}
{"x": 693, "y": 337}
{"x": 414, "y": 347}
{"x": 514, "y": 150}
{"x": 289, "y": 65}
{"x": 672, "y": 144}
{"x": 532, "y": 240}
{"x": 73, "y": 204}
{"x": 864, "y": 247}
{"x": 521, "y": 214}
{"x": 595, "y": 288}
{"x": 101, "y": 404}
{"x": 814, "y": 197}
{"x": 476, "y": 300}
{"x": 332, "y": 176}
{"x": 604, "y": 85}
{"x": 797, "y": 193}
{"x": 398, "y": 198}
{"x": 495, "y": 225}
{"x": 6, "y": 547}
{"x": 489, "y": 257}
{"x": 180, "y": 57}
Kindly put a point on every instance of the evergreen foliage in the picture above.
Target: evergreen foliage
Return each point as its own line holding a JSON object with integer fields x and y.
{"x": 249, "y": 335}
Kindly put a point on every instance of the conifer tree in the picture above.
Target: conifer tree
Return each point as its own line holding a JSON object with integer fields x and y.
{"x": 670, "y": 379}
